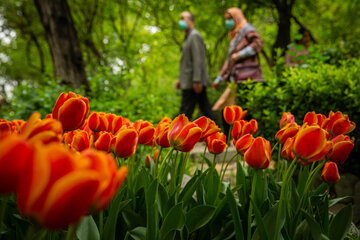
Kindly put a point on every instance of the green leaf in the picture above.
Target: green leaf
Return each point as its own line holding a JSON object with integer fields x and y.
{"x": 334, "y": 201}
{"x": 211, "y": 186}
{"x": 259, "y": 221}
{"x": 239, "y": 233}
{"x": 341, "y": 223}
{"x": 198, "y": 216}
{"x": 302, "y": 231}
{"x": 87, "y": 229}
{"x": 151, "y": 211}
{"x": 162, "y": 199}
{"x": 315, "y": 227}
{"x": 138, "y": 233}
{"x": 190, "y": 187}
{"x": 174, "y": 220}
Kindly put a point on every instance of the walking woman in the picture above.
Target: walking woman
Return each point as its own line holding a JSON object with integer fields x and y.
{"x": 243, "y": 58}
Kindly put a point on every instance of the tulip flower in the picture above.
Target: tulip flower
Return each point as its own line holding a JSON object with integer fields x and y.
{"x": 207, "y": 126}
{"x": 165, "y": 120}
{"x": 98, "y": 122}
{"x": 312, "y": 118}
{"x": 15, "y": 152}
{"x": 78, "y": 140}
{"x": 18, "y": 125}
{"x": 233, "y": 113}
{"x": 243, "y": 143}
{"x": 111, "y": 178}
{"x": 183, "y": 134}
{"x": 289, "y": 130}
{"x": 330, "y": 173}
{"x": 125, "y": 142}
{"x": 259, "y": 153}
{"x": 44, "y": 130}
{"x": 342, "y": 146}
{"x": 216, "y": 143}
{"x": 103, "y": 142}
{"x": 310, "y": 143}
{"x": 5, "y": 128}
{"x": 162, "y": 130}
{"x": 339, "y": 123}
{"x": 145, "y": 131}
{"x": 71, "y": 110}
{"x": 56, "y": 189}
{"x": 156, "y": 156}
{"x": 286, "y": 151}
{"x": 286, "y": 118}
{"x": 116, "y": 124}
{"x": 244, "y": 127}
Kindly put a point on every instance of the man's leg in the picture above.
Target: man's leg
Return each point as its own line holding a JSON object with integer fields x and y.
{"x": 205, "y": 106}
{"x": 188, "y": 102}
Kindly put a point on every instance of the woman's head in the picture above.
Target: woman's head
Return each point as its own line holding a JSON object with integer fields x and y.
{"x": 306, "y": 37}
{"x": 234, "y": 20}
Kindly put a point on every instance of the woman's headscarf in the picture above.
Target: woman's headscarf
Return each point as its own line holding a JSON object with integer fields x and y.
{"x": 239, "y": 19}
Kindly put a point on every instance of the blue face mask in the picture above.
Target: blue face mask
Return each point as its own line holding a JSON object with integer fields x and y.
{"x": 183, "y": 25}
{"x": 229, "y": 24}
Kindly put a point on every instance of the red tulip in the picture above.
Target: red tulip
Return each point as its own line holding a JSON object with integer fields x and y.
{"x": 259, "y": 153}
{"x": 78, "y": 140}
{"x": 98, "y": 122}
{"x": 145, "y": 131}
{"x": 103, "y": 142}
{"x": 339, "y": 123}
{"x": 18, "y": 125}
{"x": 233, "y": 113}
{"x": 310, "y": 143}
{"x": 216, "y": 143}
{"x": 208, "y": 127}
{"x": 330, "y": 173}
{"x": 57, "y": 189}
{"x": 125, "y": 142}
{"x": 342, "y": 146}
{"x": 312, "y": 118}
{"x": 71, "y": 110}
{"x": 286, "y": 151}
{"x": 243, "y": 143}
{"x": 5, "y": 128}
{"x": 14, "y": 154}
{"x": 162, "y": 130}
{"x": 286, "y": 118}
{"x": 244, "y": 127}
{"x": 183, "y": 134}
{"x": 46, "y": 130}
{"x": 289, "y": 130}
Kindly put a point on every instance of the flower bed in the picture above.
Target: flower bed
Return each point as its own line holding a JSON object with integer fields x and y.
{"x": 102, "y": 176}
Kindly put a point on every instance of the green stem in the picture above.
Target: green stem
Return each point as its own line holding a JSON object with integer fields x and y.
{"x": 279, "y": 163}
{"x": 101, "y": 223}
{"x": 182, "y": 170}
{"x": 173, "y": 177}
{"x": 274, "y": 147}
{"x": 227, "y": 165}
{"x": 30, "y": 232}
{"x": 288, "y": 173}
{"x": 157, "y": 161}
{"x": 253, "y": 185}
{"x": 71, "y": 232}
{"x": 203, "y": 159}
{"x": 163, "y": 162}
{"x": 226, "y": 151}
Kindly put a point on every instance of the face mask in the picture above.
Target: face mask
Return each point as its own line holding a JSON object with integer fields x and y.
{"x": 183, "y": 25}
{"x": 229, "y": 23}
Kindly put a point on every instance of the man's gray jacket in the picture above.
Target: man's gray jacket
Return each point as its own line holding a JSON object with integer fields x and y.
{"x": 193, "y": 62}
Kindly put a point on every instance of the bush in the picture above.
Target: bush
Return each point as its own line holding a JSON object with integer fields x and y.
{"x": 318, "y": 88}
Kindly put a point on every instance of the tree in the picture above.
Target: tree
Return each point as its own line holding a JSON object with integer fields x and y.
{"x": 63, "y": 42}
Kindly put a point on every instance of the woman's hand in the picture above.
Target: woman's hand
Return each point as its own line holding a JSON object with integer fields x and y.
{"x": 234, "y": 58}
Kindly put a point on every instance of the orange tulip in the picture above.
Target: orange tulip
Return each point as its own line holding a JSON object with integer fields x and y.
{"x": 216, "y": 143}
{"x": 183, "y": 134}
{"x": 259, "y": 153}
{"x": 310, "y": 143}
{"x": 44, "y": 130}
{"x": 14, "y": 154}
{"x": 243, "y": 143}
{"x": 165, "y": 120}
{"x": 125, "y": 142}
{"x": 339, "y": 123}
{"x": 289, "y": 130}
{"x": 116, "y": 124}
{"x": 207, "y": 126}
{"x": 162, "y": 130}
{"x": 18, "y": 125}
{"x": 57, "y": 189}
{"x": 156, "y": 156}
{"x": 145, "y": 131}
{"x": 71, "y": 110}
{"x": 78, "y": 140}
{"x": 111, "y": 178}
{"x": 342, "y": 147}
{"x": 98, "y": 122}
{"x": 330, "y": 173}
{"x": 286, "y": 151}
{"x": 233, "y": 113}
{"x": 103, "y": 142}
{"x": 5, "y": 128}
{"x": 312, "y": 118}
{"x": 286, "y": 118}
{"x": 243, "y": 127}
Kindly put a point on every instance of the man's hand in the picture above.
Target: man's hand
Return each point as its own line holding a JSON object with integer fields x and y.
{"x": 177, "y": 84}
{"x": 215, "y": 86}
{"x": 197, "y": 86}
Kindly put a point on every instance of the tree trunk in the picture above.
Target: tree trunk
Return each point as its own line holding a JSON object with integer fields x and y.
{"x": 283, "y": 33}
{"x": 63, "y": 42}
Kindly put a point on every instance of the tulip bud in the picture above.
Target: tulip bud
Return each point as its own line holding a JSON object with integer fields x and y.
{"x": 289, "y": 130}
{"x": 339, "y": 123}
{"x": 286, "y": 151}
{"x": 330, "y": 173}
{"x": 156, "y": 156}
{"x": 98, "y": 122}
{"x": 162, "y": 130}
{"x": 286, "y": 118}
{"x": 216, "y": 143}
{"x": 103, "y": 142}
{"x": 125, "y": 142}
{"x": 145, "y": 131}
{"x": 233, "y": 113}
{"x": 259, "y": 153}
{"x": 147, "y": 161}
{"x": 243, "y": 143}
{"x": 342, "y": 147}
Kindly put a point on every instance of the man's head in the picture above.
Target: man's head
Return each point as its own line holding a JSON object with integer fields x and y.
{"x": 186, "y": 20}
